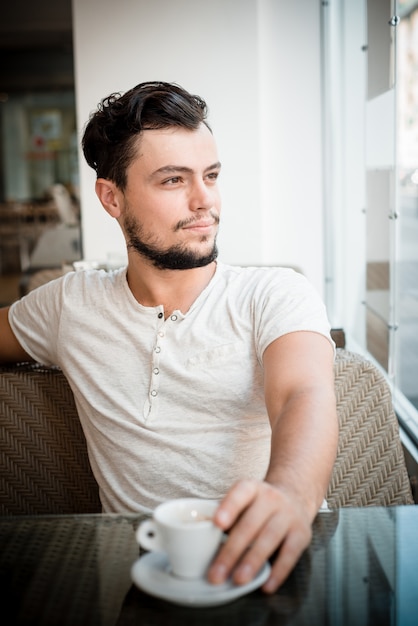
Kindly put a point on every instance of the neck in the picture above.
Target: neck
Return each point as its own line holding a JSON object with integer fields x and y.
{"x": 173, "y": 289}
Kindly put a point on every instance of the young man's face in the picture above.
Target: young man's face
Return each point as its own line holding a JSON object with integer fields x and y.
{"x": 171, "y": 202}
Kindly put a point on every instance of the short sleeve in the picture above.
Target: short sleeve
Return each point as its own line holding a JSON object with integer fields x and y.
{"x": 35, "y": 321}
{"x": 289, "y": 303}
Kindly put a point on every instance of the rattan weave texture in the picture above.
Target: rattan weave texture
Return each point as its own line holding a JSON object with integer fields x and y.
{"x": 370, "y": 467}
{"x": 44, "y": 468}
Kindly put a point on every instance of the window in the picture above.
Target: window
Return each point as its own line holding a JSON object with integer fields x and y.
{"x": 370, "y": 69}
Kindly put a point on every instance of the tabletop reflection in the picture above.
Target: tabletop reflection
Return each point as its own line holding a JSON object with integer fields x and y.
{"x": 359, "y": 569}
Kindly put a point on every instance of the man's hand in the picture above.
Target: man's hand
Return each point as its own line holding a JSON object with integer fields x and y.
{"x": 259, "y": 519}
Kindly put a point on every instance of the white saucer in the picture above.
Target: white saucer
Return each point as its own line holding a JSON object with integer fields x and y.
{"x": 151, "y": 574}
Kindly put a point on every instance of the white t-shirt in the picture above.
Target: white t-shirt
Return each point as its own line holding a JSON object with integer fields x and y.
{"x": 174, "y": 407}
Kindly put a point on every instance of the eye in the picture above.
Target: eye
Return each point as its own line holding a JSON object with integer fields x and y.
{"x": 174, "y": 180}
{"x": 213, "y": 176}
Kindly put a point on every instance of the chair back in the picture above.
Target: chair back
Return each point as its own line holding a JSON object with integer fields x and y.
{"x": 370, "y": 468}
{"x": 44, "y": 466}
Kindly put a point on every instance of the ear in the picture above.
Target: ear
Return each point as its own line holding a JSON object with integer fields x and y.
{"x": 110, "y": 196}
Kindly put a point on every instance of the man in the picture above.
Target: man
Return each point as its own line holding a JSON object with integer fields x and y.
{"x": 191, "y": 378}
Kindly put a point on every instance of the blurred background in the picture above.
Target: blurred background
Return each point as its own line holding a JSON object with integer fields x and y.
{"x": 39, "y": 180}
{"x": 314, "y": 106}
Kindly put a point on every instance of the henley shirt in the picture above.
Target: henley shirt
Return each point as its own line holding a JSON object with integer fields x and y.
{"x": 169, "y": 407}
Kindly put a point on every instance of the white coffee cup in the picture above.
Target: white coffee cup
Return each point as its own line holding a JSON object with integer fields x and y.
{"x": 184, "y": 530}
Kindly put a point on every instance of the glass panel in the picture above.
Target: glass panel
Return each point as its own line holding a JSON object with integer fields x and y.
{"x": 39, "y": 145}
{"x": 40, "y": 213}
{"x": 378, "y": 264}
{"x": 407, "y": 257}
{"x": 377, "y": 333}
{"x": 380, "y": 49}
{"x": 39, "y": 196}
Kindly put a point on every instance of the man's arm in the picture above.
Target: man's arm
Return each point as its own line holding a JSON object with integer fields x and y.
{"x": 10, "y": 349}
{"x": 278, "y": 513}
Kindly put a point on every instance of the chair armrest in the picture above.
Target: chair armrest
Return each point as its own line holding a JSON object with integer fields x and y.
{"x": 44, "y": 466}
{"x": 370, "y": 468}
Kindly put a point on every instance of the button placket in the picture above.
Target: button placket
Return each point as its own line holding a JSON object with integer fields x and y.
{"x": 154, "y": 387}
{"x": 155, "y": 366}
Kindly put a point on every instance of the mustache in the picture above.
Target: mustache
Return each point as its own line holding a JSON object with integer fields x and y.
{"x": 194, "y": 220}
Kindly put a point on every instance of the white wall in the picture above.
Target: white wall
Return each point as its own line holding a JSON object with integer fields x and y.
{"x": 345, "y": 36}
{"x": 257, "y": 64}
{"x": 291, "y": 151}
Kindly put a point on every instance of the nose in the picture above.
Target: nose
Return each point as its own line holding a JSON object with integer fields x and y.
{"x": 202, "y": 195}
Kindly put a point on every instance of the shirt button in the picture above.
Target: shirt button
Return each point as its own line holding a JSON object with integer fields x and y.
{"x": 157, "y": 349}
{"x": 173, "y": 318}
{"x": 160, "y": 315}
{"x": 153, "y": 393}
{"x": 156, "y": 370}
{"x": 161, "y": 333}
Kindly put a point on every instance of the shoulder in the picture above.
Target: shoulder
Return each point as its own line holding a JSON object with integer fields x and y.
{"x": 90, "y": 284}
{"x": 94, "y": 277}
{"x": 271, "y": 292}
{"x": 262, "y": 279}
{"x": 80, "y": 286}
{"x": 257, "y": 271}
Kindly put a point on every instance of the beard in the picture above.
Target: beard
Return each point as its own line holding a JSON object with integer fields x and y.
{"x": 177, "y": 257}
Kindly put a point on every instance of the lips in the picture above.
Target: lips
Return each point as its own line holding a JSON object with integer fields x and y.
{"x": 201, "y": 222}
{"x": 199, "y": 225}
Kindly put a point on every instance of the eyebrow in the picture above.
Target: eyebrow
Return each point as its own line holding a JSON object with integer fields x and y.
{"x": 175, "y": 169}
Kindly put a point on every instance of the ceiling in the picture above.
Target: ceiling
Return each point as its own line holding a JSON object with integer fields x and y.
{"x": 36, "y": 48}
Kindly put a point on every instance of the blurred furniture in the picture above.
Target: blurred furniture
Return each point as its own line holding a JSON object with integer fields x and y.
{"x": 55, "y": 246}
{"x": 44, "y": 466}
{"x": 21, "y": 224}
{"x": 62, "y": 242}
{"x": 34, "y": 235}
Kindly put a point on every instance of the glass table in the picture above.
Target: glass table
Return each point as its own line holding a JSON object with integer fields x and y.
{"x": 361, "y": 568}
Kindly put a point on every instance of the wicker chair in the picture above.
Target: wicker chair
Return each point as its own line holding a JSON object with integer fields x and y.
{"x": 370, "y": 467}
{"x": 44, "y": 468}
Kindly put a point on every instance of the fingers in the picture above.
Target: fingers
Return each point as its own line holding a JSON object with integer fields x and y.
{"x": 229, "y": 515}
{"x": 260, "y": 519}
{"x": 289, "y": 554}
{"x": 242, "y": 494}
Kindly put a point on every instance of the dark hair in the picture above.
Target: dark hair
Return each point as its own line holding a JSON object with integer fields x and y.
{"x": 109, "y": 140}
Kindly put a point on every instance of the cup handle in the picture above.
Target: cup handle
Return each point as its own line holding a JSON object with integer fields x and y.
{"x": 146, "y": 535}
